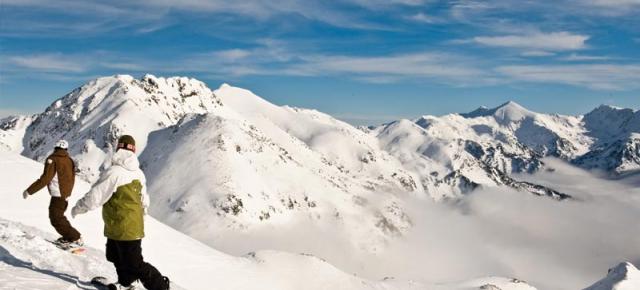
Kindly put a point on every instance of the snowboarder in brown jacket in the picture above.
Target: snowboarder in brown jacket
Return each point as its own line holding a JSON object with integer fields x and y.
{"x": 59, "y": 178}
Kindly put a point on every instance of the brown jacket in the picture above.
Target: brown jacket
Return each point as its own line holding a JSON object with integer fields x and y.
{"x": 59, "y": 175}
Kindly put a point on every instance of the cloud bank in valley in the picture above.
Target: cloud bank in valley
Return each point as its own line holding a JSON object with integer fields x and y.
{"x": 550, "y": 244}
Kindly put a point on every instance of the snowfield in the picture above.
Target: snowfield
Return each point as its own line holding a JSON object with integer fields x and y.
{"x": 246, "y": 186}
{"x": 29, "y": 261}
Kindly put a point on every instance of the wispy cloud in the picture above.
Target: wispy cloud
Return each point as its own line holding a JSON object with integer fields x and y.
{"x": 48, "y": 63}
{"x": 554, "y": 41}
{"x": 611, "y": 7}
{"x": 232, "y": 54}
{"x": 436, "y": 67}
{"x": 278, "y": 58}
{"x": 554, "y": 11}
{"x": 581, "y": 57}
{"x": 95, "y": 17}
{"x": 611, "y": 3}
{"x": 275, "y": 58}
{"x": 414, "y": 65}
{"x": 67, "y": 67}
{"x": 594, "y": 76}
{"x": 424, "y": 18}
{"x": 537, "y": 53}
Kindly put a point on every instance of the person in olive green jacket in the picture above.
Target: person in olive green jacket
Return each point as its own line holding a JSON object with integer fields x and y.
{"x": 59, "y": 177}
{"x": 121, "y": 191}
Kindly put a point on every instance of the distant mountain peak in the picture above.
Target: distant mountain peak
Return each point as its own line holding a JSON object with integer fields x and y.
{"x": 507, "y": 112}
{"x": 609, "y": 107}
{"x": 511, "y": 104}
{"x": 481, "y": 111}
{"x": 621, "y": 277}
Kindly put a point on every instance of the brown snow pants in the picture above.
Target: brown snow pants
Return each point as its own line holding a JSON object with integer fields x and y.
{"x": 57, "y": 207}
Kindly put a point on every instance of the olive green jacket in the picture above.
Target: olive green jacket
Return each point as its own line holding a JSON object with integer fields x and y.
{"x": 121, "y": 191}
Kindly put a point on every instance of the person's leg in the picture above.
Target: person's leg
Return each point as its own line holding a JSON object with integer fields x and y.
{"x": 112, "y": 254}
{"x": 57, "y": 207}
{"x": 137, "y": 268}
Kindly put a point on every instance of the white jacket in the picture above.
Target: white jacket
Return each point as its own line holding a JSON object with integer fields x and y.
{"x": 125, "y": 168}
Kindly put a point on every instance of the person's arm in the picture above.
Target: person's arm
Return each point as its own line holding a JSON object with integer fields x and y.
{"x": 99, "y": 194}
{"x": 46, "y": 177}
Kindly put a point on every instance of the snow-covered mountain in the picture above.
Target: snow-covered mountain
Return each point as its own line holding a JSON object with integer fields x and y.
{"x": 441, "y": 157}
{"x": 616, "y": 135}
{"x": 227, "y": 161}
{"x": 485, "y": 146}
{"x": 92, "y": 116}
{"x": 28, "y": 261}
{"x": 253, "y": 163}
{"x": 481, "y": 148}
{"x": 624, "y": 276}
{"x": 249, "y": 162}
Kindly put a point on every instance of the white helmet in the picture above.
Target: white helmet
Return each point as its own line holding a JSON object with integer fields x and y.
{"x": 62, "y": 144}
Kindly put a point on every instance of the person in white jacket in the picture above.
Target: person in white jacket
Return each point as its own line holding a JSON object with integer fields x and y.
{"x": 121, "y": 191}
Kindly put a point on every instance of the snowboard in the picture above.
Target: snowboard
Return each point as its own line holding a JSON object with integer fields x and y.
{"x": 71, "y": 249}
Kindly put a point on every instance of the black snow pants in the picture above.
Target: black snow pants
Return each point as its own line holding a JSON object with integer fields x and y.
{"x": 126, "y": 256}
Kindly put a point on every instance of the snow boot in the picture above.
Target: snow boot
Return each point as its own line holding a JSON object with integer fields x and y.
{"x": 68, "y": 245}
{"x": 76, "y": 243}
{"x": 166, "y": 283}
{"x": 117, "y": 286}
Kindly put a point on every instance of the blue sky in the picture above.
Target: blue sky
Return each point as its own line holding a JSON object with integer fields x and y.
{"x": 364, "y": 61}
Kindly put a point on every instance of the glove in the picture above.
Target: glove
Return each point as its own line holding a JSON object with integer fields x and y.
{"x": 25, "y": 194}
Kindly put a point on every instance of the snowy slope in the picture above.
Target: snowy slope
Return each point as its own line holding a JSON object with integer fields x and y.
{"x": 27, "y": 261}
{"x": 355, "y": 153}
{"x": 624, "y": 276}
{"x": 214, "y": 173}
